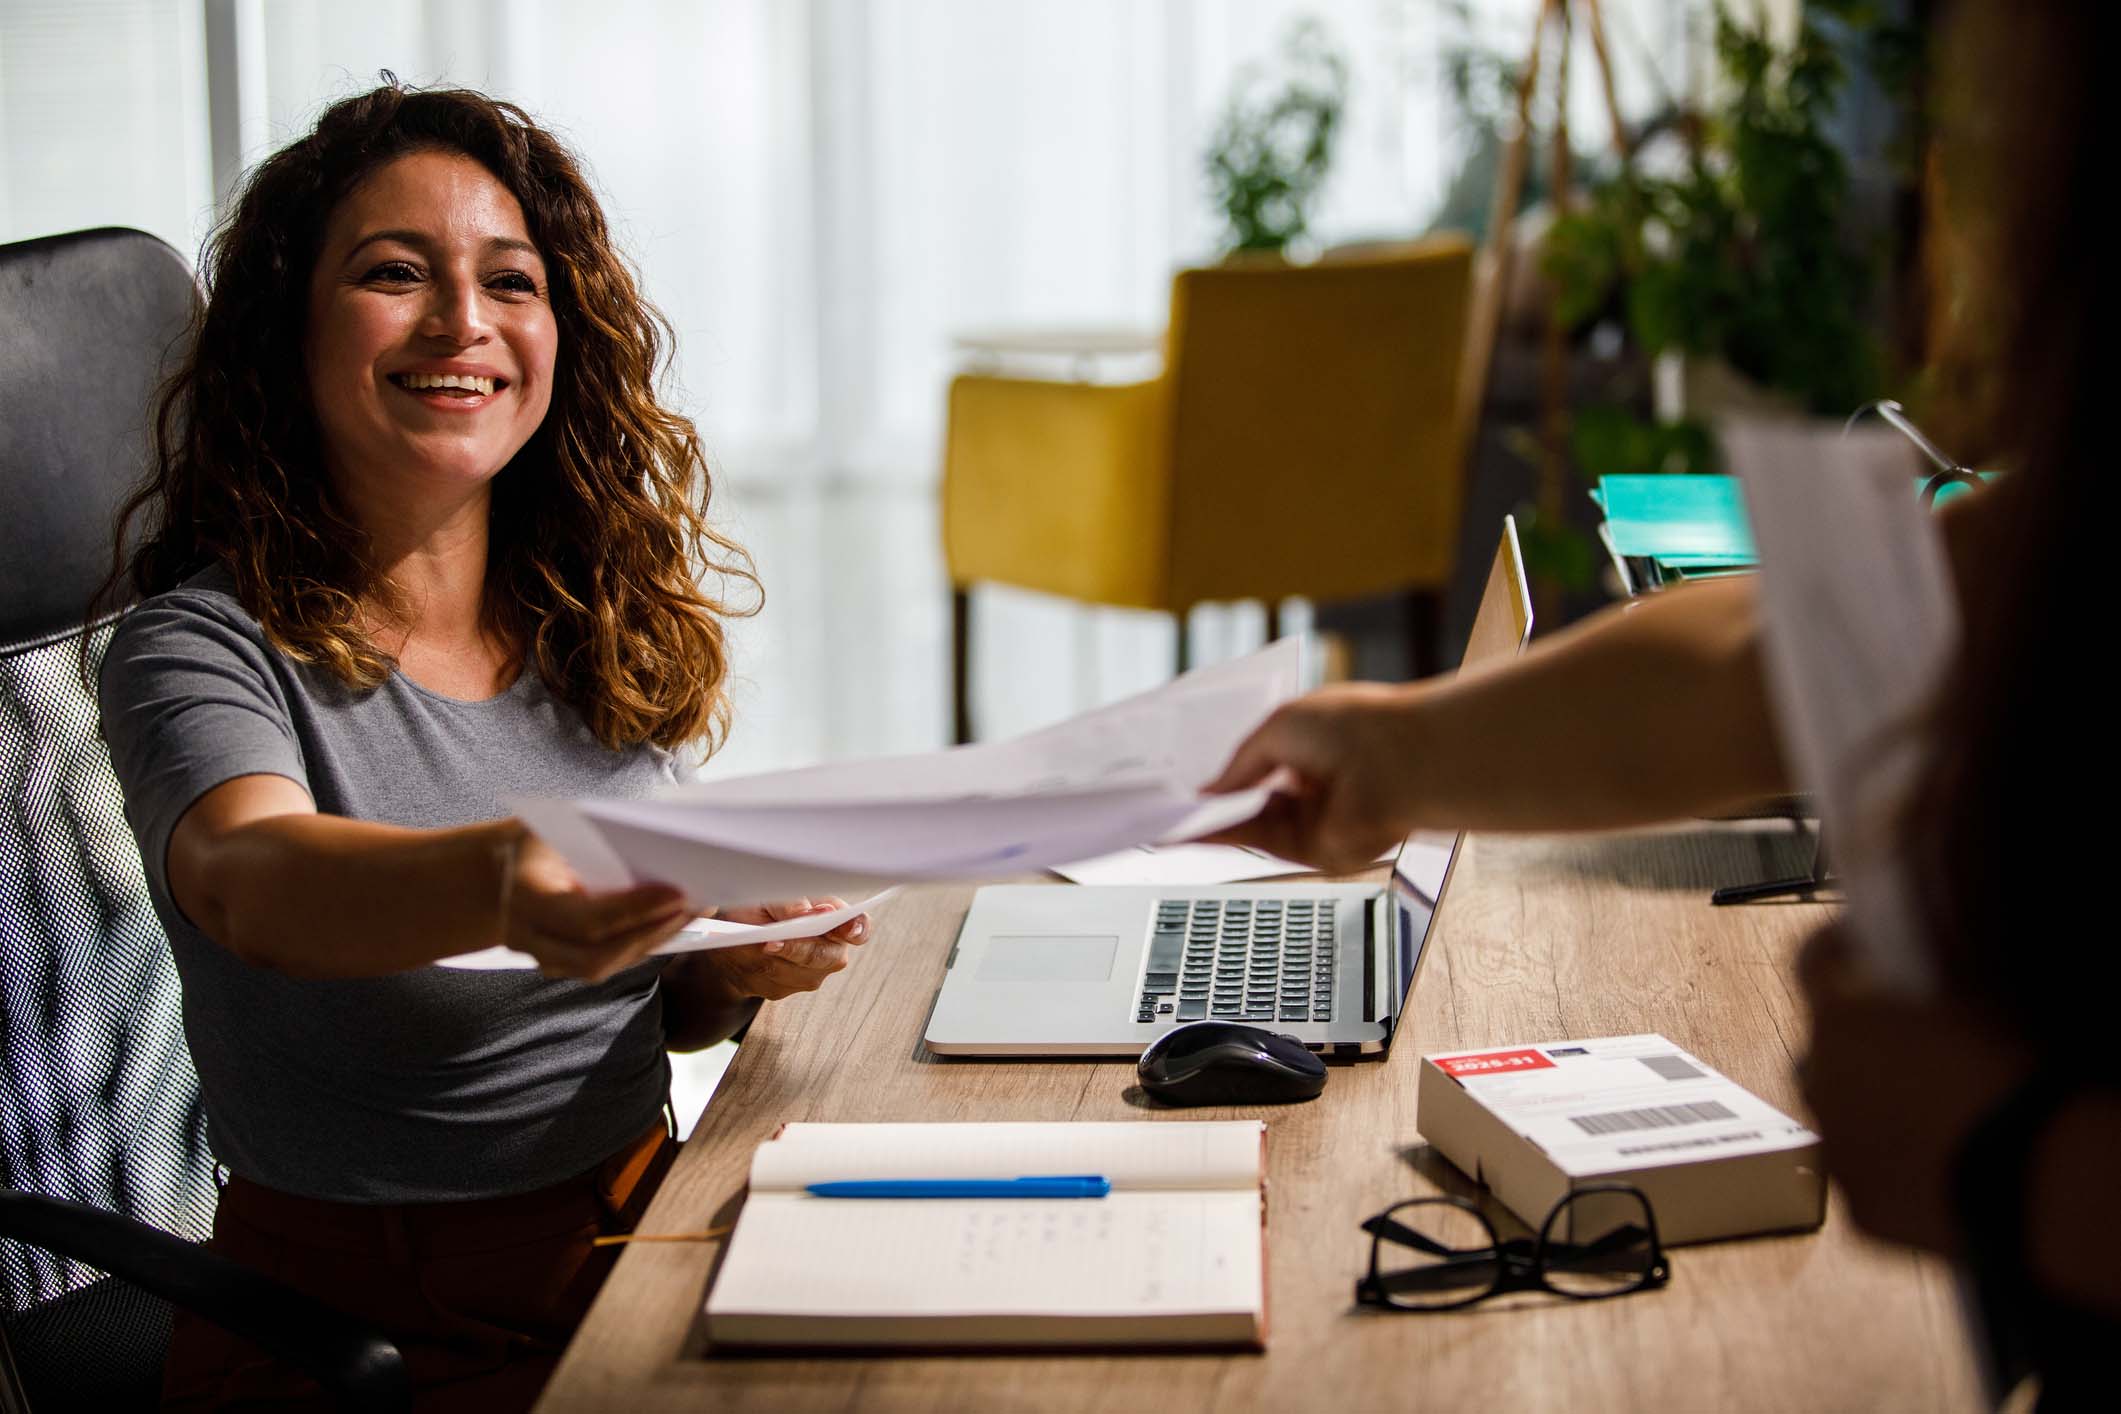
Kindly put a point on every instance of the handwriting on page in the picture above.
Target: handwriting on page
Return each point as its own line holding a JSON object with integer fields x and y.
{"x": 1130, "y": 1253}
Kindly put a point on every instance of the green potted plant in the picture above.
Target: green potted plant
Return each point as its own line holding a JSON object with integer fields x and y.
{"x": 1742, "y": 260}
{"x": 1273, "y": 146}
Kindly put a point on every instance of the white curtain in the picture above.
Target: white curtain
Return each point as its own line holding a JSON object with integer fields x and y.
{"x": 817, "y": 192}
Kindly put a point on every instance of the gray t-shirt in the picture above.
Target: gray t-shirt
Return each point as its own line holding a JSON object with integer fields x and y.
{"x": 421, "y": 1086}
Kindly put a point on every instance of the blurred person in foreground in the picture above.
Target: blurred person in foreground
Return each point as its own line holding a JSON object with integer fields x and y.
{"x": 1984, "y": 1123}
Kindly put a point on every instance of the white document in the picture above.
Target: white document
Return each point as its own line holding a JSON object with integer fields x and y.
{"x": 1860, "y": 625}
{"x": 701, "y": 935}
{"x": 1116, "y": 777}
{"x": 1180, "y": 865}
{"x": 1185, "y": 865}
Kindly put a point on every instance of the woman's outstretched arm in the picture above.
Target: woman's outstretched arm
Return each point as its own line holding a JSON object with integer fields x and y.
{"x": 257, "y": 868}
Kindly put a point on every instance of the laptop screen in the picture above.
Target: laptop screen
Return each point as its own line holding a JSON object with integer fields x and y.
{"x": 1501, "y": 628}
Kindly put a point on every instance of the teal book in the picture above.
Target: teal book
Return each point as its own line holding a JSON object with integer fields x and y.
{"x": 1682, "y": 519}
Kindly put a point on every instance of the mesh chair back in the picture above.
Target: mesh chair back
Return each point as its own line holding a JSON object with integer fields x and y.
{"x": 98, "y": 1099}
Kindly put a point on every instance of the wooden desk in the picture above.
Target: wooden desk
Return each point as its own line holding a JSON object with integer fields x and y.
{"x": 1539, "y": 939}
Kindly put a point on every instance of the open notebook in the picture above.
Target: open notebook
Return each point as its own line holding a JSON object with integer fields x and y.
{"x": 1173, "y": 1256}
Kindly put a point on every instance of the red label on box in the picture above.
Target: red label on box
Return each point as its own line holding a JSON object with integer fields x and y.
{"x": 1493, "y": 1063}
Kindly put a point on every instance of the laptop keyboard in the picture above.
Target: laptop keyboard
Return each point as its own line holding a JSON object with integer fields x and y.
{"x": 1240, "y": 959}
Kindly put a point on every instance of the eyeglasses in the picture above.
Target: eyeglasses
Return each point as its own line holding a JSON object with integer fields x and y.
{"x": 1439, "y": 1254}
{"x": 1949, "y": 475}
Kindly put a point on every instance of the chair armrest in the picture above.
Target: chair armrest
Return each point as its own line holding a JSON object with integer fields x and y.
{"x": 1058, "y": 487}
{"x": 361, "y": 1369}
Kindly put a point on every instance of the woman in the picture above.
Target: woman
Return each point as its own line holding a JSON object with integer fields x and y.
{"x": 421, "y": 538}
{"x": 1986, "y": 1123}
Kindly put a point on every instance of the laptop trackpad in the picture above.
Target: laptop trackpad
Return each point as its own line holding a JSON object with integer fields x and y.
{"x": 1055, "y": 958}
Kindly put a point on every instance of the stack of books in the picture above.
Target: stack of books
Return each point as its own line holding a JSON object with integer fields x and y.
{"x": 1664, "y": 528}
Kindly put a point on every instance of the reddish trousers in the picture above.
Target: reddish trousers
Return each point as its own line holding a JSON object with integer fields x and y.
{"x": 480, "y": 1296}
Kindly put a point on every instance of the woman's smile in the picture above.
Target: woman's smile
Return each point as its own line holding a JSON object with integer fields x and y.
{"x": 450, "y": 388}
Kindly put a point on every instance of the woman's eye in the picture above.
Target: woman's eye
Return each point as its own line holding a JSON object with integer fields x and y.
{"x": 393, "y": 272}
{"x": 514, "y": 282}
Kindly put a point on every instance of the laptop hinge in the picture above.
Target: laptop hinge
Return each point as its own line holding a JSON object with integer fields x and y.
{"x": 1381, "y": 954}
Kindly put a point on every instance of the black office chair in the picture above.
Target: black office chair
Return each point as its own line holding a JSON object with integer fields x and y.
{"x": 106, "y": 1185}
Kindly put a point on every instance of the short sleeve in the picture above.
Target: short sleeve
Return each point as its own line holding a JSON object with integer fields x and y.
{"x": 190, "y": 700}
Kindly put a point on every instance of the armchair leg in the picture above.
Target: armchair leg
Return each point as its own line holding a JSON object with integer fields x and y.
{"x": 961, "y": 664}
{"x": 1425, "y": 632}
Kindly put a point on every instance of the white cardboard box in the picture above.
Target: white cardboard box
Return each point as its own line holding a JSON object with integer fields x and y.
{"x": 1534, "y": 1122}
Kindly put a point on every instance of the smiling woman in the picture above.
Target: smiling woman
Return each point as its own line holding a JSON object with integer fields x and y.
{"x": 420, "y": 537}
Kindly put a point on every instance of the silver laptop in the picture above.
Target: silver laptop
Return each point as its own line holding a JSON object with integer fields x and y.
{"x": 1106, "y": 969}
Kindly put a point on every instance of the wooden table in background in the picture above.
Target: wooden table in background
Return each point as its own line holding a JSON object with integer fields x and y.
{"x": 1540, "y": 938}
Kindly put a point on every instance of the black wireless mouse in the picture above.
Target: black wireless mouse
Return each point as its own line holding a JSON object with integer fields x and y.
{"x": 1225, "y": 1063}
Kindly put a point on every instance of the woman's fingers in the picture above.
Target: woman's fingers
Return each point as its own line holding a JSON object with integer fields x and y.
{"x": 596, "y": 961}
{"x": 854, "y": 930}
{"x": 581, "y": 916}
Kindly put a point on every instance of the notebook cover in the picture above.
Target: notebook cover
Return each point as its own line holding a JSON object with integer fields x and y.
{"x": 1678, "y": 517}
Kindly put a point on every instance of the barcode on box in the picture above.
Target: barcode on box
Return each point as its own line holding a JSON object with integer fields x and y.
{"x": 1652, "y": 1117}
{"x": 1670, "y": 1144}
{"x": 1672, "y": 1067}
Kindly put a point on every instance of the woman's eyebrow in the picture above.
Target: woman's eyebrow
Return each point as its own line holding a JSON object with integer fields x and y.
{"x": 423, "y": 241}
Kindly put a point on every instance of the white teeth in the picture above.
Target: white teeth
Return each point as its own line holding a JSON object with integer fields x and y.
{"x": 464, "y": 381}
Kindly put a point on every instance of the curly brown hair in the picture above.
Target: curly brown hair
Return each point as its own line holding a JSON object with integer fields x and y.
{"x": 598, "y": 536}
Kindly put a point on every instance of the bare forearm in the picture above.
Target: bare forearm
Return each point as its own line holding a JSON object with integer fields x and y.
{"x": 1645, "y": 713}
{"x": 700, "y": 1008}
{"x": 323, "y": 896}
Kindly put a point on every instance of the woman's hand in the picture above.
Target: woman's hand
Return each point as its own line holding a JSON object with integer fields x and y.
{"x": 710, "y": 996}
{"x": 1895, "y": 1085}
{"x": 786, "y": 966}
{"x": 575, "y": 933}
{"x": 1344, "y": 756}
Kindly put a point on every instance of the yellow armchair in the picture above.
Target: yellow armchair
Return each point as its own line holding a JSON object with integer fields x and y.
{"x": 1300, "y": 441}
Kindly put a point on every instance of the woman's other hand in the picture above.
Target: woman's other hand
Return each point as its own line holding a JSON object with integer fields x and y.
{"x": 710, "y": 996}
{"x": 1341, "y": 760}
{"x": 786, "y": 966}
{"x": 1895, "y": 1085}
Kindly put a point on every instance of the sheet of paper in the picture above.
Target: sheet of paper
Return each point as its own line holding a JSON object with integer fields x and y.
{"x": 1181, "y": 732}
{"x": 1179, "y": 865}
{"x": 1119, "y": 776}
{"x": 702, "y": 935}
{"x": 1860, "y": 625}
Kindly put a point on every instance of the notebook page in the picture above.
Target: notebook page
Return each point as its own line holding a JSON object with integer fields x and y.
{"x": 1131, "y": 1254}
{"x": 1141, "y": 1155}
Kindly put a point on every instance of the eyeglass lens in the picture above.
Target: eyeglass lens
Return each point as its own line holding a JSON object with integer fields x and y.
{"x": 1433, "y": 1253}
{"x": 1599, "y": 1243}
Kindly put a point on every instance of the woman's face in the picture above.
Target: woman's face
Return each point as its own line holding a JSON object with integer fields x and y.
{"x": 431, "y": 334}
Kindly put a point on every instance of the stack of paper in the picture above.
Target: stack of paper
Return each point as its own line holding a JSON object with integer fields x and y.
{"x": 1110, "y": 779}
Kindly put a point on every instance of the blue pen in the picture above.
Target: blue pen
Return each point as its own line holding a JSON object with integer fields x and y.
{"x": 1033, "y": 1186}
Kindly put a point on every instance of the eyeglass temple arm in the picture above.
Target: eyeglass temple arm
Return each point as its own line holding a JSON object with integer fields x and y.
{"x": 1405, "y": 1236}
{"x": 1897, "y": 417}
